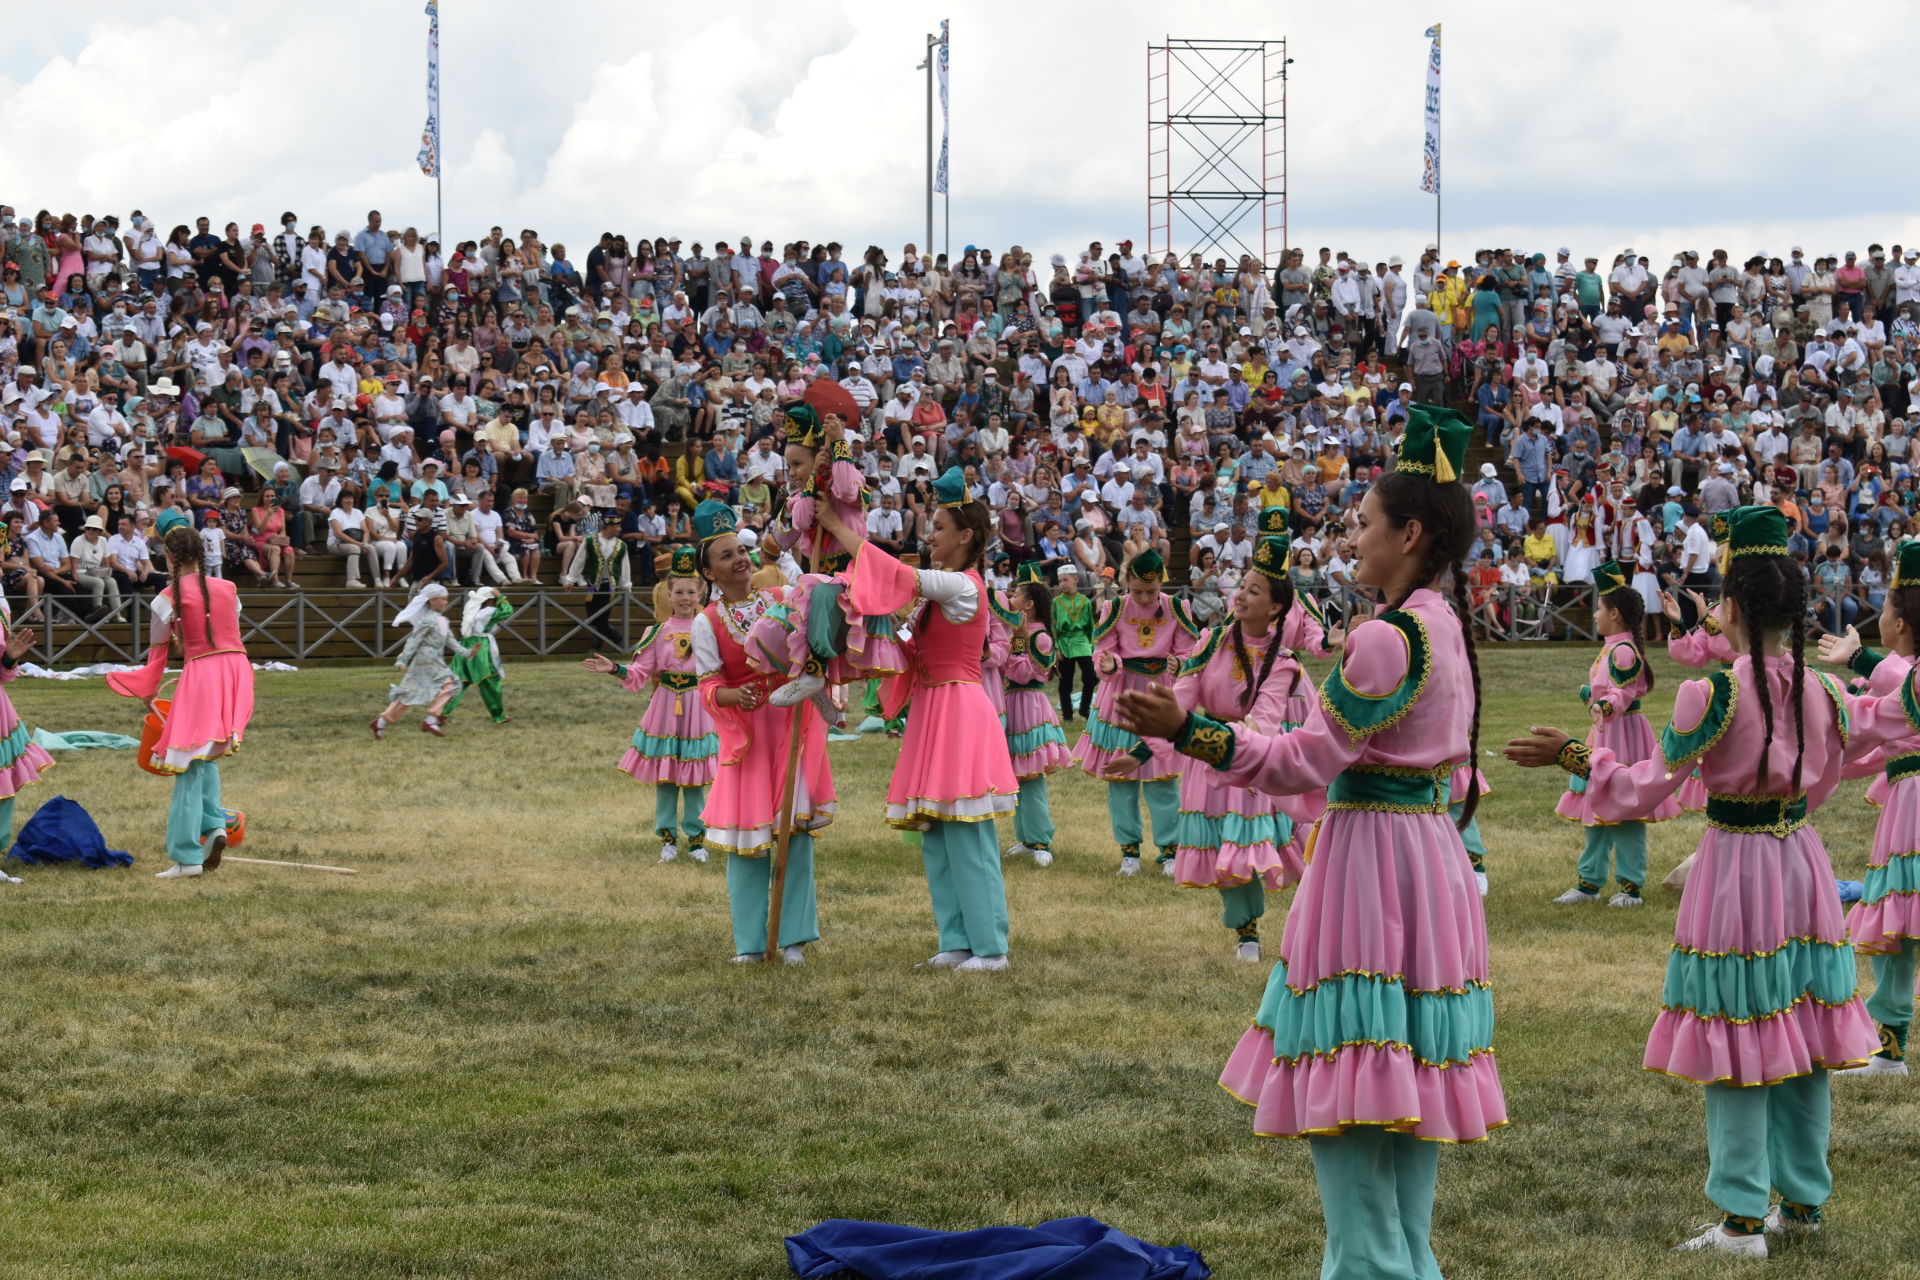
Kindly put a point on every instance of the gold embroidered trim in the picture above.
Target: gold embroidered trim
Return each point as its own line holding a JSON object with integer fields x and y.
{"x": 1807, "y": 940}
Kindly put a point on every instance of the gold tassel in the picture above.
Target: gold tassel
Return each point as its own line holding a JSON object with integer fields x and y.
{"x": 1442, "y": 466}
{"x": 677, "y": 709}
{"x": 1726, "y": 556}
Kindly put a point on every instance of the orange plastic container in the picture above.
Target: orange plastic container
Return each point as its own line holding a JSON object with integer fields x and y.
{"x": 150, "y": 736}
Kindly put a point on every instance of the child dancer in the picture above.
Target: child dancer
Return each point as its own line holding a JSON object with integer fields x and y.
{"x": 1231, "y": 839}
{"x": 480, "y": 663}
{"x": 1305, "y": 630}
{"x": 1759, "y": 1003}
{"x": 953, "y": 774}
{"x": 1139, "y": 638}
{"x": 429, "y": 681}
{"x": 211, "y": 704}
{"x": 24, "y": 759}
{"x": 1375, "y": 1038}
{"x": 1034, "y": 739}
{"x": 675, "y": 746}
{"x": 1617, "y": 680}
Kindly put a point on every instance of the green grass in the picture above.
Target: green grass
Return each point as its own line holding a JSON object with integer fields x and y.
{"x": 513, "y": 1047}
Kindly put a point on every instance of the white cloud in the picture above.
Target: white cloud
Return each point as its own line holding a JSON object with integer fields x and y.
{"x": 1714, "y": 123}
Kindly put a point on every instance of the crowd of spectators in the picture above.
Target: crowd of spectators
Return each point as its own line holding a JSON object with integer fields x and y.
{"x": 479, "y": 410}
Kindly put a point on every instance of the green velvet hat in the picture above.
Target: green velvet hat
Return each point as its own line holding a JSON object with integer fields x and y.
{"x": 1906, "y": 567}
{"x": 685, "y": 563}
{"x": 1717, "y": 527}
{"x": 1609, "y": 578}
{"x": 713, "y": 518}
{"x": 1147, "y": 566}
{"x": 1029, "y": 575}
{"x": 803, "y": 427}
{"x": 1273, "y": 556}
{"x": 950, "y": 490}
{"x": 1273, "y": 520}
{"x": 1435, "y": 444}
{"x": 1756, "y": 531}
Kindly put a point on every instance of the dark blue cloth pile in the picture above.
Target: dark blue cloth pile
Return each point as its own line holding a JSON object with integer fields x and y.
{"x": 61, "y": 831}
{"x": 1064, "y": 1249}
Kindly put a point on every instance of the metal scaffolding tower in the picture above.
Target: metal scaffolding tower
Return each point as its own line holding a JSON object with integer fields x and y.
{"x": 1217, "y": 148}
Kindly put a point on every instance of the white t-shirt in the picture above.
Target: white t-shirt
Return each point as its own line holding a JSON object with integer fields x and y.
{"x": 488, "y": 527}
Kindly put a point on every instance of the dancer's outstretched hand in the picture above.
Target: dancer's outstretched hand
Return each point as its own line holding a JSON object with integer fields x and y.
{"x": 1540, "y": 749}
{"x": 1839, "y": 650}
{"x": 598, "y": 663}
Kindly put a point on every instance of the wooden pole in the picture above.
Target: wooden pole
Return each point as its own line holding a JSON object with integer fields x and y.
{"x": 789, "y": 794}
{"x": 304, "y": 866}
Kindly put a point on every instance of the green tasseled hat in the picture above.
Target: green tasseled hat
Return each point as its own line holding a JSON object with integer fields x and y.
{"x": 950, "y": 490}
{"x": 685, "y": 563}
{"x": 1273, "y": 556}
{"x": 1147, "y": 566}
{"x": 1029, "y": 575}
{"x": 1609, "y": 578}
{"x": 1717, "y": 526}
{"x": 1435, "y": 444}
{"x": 1756, "y": 531}
{"x": 1273, "y": 520}
{"x": 713, "y": 518}
{"x": 1906, "y": 566}
{"x": 803, "y": 427}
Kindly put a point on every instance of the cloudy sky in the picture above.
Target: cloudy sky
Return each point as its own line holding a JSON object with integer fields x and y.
{"x": 1748, "y": 124}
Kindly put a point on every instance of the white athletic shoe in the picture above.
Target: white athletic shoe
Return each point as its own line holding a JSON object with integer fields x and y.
{"x": 1166, "y": 868}
{"x": 1623, "y": 900}
{"x": 7, "y": 879}
{"x": 1042, "y": 857}
{"x": 1480, "y": 879}
{"x": 1248, "y": 951}
{"x": 794, "y": 955}
{"x": 748, "y": 957}
{"x": 1716, "y": 1240}
{"x": 981, "y": 964}
{"x": 797, "y": 690}
{"x": 1129, "y": 867}
{"x": 1016, "y": 850}
{"x": 697, "y": 852}
{"x": 667, "y": 851}
{"x": 1778, "y": 1223}
{"x": 178, "y": 871}
{"x": 1878, "y": 1066}
{"x": 945, "y": 960}
{"x": 1574, "y": 896}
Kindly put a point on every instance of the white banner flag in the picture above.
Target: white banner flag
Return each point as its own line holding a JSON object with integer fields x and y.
{"x": 1430, "y": 178}
{"x": 429, "y": 157}
{"x": 940, "y": 174}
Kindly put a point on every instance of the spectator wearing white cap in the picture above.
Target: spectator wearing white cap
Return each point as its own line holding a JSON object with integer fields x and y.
{"x": 92, "y": 567}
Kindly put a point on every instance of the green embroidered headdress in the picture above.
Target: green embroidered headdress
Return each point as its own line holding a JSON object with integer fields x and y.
{"x": 1906, "y": 567}
{"x": 1609, "y": 578}
{"x": 1273, "y": 556}
{"x": 950, "y": 490}
{"x": 1435, "y": 444}
{"x": 1029, "y": 575}
{"x": 1273, "y": 520}
{"x": 803, "y": 427}
{"x": 1147, "y": 566}
{"x": 713, "y": 518}
{"x": 685, "y": 563}
{"x": 1756, "y": 531}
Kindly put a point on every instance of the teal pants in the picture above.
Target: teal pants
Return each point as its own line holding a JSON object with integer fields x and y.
{"x": 684, "y": 803}
{"x": 1770, "y": 1136}
{"x": 749, "y": 892}
{"x": 964, "y": 881}
{"x": 6, "y": 823}
{"x": 1376, "y": 1194}
{"x": 1891, "y": 1004}
{"x": 1241, "y": 907}
{"x": 194, "y": 812}
{"x": 1163, "y": 806}
{"x": 1470, "y": 836}
{"x": 1033, "y": 819}
{"x": 1626, "y": 843}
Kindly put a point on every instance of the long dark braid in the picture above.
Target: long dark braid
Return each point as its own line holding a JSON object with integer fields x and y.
{"x": 1772, "y": 594}
{"x": 1632, "y": 608}
{"x": 1445, "y": 513}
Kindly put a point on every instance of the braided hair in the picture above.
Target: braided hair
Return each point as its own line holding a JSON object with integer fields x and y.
{"x": 1445, "y": 513}
{"x": 1771, "y": 594}
{"x": 1042, "y": 600}
{"x": 185, "y": 551}
{"x": 1280, "y": 591}
{"x": 1632, "y": 608}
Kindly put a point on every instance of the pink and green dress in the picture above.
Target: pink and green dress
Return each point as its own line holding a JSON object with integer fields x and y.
{"x": 1885, "y": 923}
{"x": 675, "y": 744}
{"x": 1702, "y": 647}
{"x": 22, "y": 760}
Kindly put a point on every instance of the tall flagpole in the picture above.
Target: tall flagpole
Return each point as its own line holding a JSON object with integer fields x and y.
{"x": 940, "y": 180}
{"x": 429, "y": 157}
{"x": 1430, "y": 179}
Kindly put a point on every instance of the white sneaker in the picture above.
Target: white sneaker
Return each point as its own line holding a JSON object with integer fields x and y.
{"x": 797, "y": 690}
{"x": 748, "y": 957}
{"x": 1016, "y": 850}
{"x": 1574, "y": 896}
{"x": 945, "y": 960}
{"x": 1480, "y": 879}
{"x": 981, "y": 964}
{"x": 1166, "y": 868}
{"x": 1877, "y": 1066}
{"x": 697, "y": 852}
{"x": 1042, "y": 857}
{"x": 794, "y": 955}
{"x": 1717, "y": 1240}
{"x": 1129, "y": 867}
{"x": 1248, "y": 951}
{"x": 1778, "y": 1223}
{"x": 178, "y": 871}
{"x": 7, "y": 879}
{"x": 667, "y": 851}
{"x": 1623, "y": 900}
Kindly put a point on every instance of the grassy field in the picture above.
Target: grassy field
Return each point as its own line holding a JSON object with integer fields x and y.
{"x": 513, "y": 1046}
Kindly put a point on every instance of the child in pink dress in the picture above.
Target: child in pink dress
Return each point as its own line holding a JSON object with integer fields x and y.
{"x": 675, "y": 745}
{"x": 1305, "y": 632}
{"x": 1034, "y": 738}
{"x": 1617, "y": 680}
{"x": 22, "y": 760}
{"x": 1759, "y": 1002}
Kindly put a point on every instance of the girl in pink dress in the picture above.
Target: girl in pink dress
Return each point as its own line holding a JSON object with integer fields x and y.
{"x": 1617, "y": 680}
{"x": 1137, "y": 639}
{"x": 953, "y": 775}
{"x": 1759, "y": 1002}
{"x": 211, "y": 704}
{"x": 675, "y": 745}
{"x": 1375, "y": 1038}
{"x": 1238, "y": 841}
{"x": 22, "y": 760}
{"x": 744, "y": 810}
{"x": 1305, "y": 632}
{"x": 1034, "y": 739}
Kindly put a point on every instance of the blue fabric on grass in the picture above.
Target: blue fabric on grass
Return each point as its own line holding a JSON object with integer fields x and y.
{"x": 1064, "y": 1249}
{"x": 61, "y": 831}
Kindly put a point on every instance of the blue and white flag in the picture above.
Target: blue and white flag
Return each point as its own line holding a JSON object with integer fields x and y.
{"x": 940, "y": 174}
{"x": 429, "y": 157}
{"x": 1430, "y": 178}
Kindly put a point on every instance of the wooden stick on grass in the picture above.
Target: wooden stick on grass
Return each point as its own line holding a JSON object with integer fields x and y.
{"x": 304, "y": 866}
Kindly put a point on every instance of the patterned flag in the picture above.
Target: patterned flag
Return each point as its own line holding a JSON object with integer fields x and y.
{"x": 429, "y": 157}
{"x": 1430, "y": 179}
{"x": 940, "y": 174}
